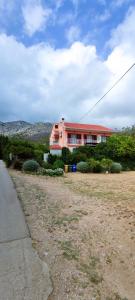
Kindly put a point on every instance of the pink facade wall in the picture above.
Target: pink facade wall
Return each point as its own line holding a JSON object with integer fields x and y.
{"x": 59, "y": 136}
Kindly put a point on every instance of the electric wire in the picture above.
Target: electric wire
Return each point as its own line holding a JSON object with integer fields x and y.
{"x": 89, "y": 111}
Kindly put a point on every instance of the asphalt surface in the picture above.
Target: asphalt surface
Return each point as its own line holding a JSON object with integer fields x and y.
{"x": 23, "y": 276}
{"x": 12, "y": 222}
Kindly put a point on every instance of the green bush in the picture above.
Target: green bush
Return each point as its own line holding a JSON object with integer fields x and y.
{"x": 46, "y": 165}
{"x": 66, "y": 155}
{"x": 116, "y": 167}
{"x": 77, "y": 157}
{"x": 95, "y": 166}
{"x": 92, "y": 164}
{"x": 41, "y": 171}
{"x": 128, "y": 165}
{"x": 50, "y": 172}
{"x": 82, "y": 167}
{"x": 30, "y": 166}
{"x": 59, "y": 172}
{"x": 106, "y": 164}
{"x": 52, "y": 158}
{"x": 38, "y": 155}
{"x": 58, "y": 164}
{"x": 98, "y": 167}
{"x": 17, "y": 164}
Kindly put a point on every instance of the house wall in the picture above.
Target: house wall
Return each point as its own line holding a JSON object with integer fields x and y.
{"x": 63, "y": 141}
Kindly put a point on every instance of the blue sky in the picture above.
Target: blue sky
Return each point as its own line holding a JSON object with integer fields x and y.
{"x": 59, "y": 56}
{"x": 91, "y": 21}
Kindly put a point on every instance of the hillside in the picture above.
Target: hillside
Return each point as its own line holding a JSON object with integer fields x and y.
{"x": 22, "y": 129}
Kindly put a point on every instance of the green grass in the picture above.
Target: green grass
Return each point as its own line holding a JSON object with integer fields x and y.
{"x": 68, "y": 219}
{"x": 69, "y": 251}
{"x": 90, "y": 270}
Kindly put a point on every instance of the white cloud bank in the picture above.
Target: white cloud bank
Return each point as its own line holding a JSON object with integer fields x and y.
{"x": 42, "y": 83}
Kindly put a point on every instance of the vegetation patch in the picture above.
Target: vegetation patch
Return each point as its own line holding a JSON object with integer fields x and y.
{"x": 89, "y": 269}
{"x": 30, "y": 166}
{"x": 67, "y": 219}
{"x": 69, "y": 251}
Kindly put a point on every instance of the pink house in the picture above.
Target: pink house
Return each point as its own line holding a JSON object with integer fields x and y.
{"x": 73, "y": 135}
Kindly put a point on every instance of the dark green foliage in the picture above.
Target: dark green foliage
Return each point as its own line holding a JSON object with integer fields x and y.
{"x": 106, "y": 164}
{"x": 38, "y": 155}
{"x": 4, "y": 145}
{"x": 82, "y": 167}
{"x": 66, "y": 155}
{"x": 46, "y": 165}
{"x": 116, "y": 167}
{"x": 87, "y": 150}
{"x": 77, "y": 157}
{"x": 30, "y": 166}
{"x": 92, "y": 164}
{"x": 117, "y": 147}
{"x": 95, "y": 166}
{"x": 20, "y": 149}
{"x": 58, "y": 164}
{"x": 17, "y": 164}
{"x": 128, "y": 165}
{"x": 98, "y": 167}
{"x": 52, "y": 158}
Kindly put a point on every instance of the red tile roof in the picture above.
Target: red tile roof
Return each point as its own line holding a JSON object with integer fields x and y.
{"x": 87, "y": 127}
{"x": 55, "y": 147}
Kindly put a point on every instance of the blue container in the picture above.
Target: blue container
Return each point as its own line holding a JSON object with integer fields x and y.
{"x": 73, "y": 168}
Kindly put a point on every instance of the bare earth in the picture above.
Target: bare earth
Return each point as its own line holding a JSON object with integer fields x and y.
{"x": 83, "y": 226}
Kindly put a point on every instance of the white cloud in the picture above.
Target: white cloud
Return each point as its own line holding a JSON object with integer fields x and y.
{"x": 35, "y": 16}
{"x": 43, "y": 83}
{"x": 73, "y": 34}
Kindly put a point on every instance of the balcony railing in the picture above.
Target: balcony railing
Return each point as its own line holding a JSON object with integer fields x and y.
{"x": 55, "y": 142}
{"x": 90, "y": 142}
{"x": 74, "y": 141}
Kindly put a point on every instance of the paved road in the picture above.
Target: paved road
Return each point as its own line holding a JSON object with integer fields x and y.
{"x": 23, "y": 276}
{"x": 12, "y": 222}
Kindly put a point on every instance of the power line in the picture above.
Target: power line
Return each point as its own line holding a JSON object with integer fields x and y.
{"x": 107, "y": 92}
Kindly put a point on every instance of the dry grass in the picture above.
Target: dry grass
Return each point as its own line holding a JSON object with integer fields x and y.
{"x": 83, "y": 226}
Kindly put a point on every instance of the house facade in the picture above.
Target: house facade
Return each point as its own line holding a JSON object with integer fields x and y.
{"x": 73, "y": 135}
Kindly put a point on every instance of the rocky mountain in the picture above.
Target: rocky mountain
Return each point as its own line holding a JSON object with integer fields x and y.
{"x": 22, "y": 129}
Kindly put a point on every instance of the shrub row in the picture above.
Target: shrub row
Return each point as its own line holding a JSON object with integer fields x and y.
{"x": 50, "y": 172}
{"x": 33, "y": 166}
{"x": 105, "y": 165}
{"x": 92, "y": 165}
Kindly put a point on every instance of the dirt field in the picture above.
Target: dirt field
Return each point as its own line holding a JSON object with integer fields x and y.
{"x": 83, "y": 226}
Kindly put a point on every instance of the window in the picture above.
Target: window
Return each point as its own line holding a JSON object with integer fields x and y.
{"x": 103, "y": 139}
{"x": 56, "y": 126}
{"x": 94, "y": 137}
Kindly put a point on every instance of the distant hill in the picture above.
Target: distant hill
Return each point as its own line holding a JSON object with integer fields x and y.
{"x": 35, "y": 132}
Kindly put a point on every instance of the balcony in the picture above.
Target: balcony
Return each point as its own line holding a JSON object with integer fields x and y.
{"x": 55, "y": 142}
{"x": 74, "y": 141}
{"x": 90, "y": 142}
